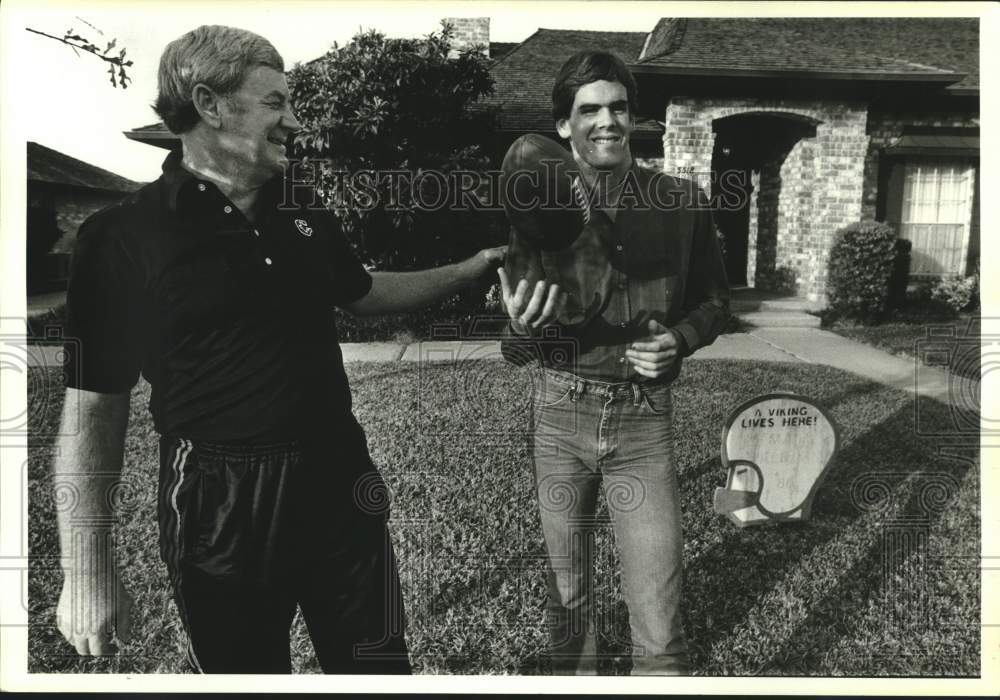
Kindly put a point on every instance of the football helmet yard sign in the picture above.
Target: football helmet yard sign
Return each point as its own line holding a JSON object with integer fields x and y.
{"x": 776, "y": 449}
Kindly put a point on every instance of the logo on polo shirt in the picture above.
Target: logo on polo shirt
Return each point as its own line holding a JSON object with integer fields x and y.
{"x": 303, "y": 226}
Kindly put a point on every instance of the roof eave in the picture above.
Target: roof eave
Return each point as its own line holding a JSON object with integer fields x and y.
{"x": 90, "y": 188}
{"x": 161, "y": 139}
{"x": 966, "y": 91}
{"x": 926, "y": 151}
{"x": 937, "y": 78}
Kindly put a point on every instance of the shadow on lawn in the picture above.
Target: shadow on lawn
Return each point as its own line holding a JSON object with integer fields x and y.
{"x": 850, "y": 584}
{"x": 775, "y": 599}
{"x": 848, "y": 593}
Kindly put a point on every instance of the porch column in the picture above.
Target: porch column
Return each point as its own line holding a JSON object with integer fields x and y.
{"x": 839, "y": 186}
{"x": 688, "y": 142}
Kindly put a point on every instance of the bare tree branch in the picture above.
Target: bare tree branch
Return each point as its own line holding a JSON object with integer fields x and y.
{"x": 116, "y": 64}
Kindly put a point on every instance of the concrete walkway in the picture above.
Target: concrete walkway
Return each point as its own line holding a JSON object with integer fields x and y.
{"x": 778, "y": 344}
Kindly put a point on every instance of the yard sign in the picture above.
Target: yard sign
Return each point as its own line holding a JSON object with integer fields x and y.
{"x": 776, "y": 449}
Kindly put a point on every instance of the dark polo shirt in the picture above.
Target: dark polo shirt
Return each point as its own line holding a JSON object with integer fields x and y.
{"x": 657, "y": 258}
{"x": 231, "y": 322}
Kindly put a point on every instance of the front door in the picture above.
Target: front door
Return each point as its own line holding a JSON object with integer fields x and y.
{"x": 731, "y": 190}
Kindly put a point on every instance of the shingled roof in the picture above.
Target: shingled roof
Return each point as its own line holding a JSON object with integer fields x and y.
{"x": 55, "y": 168}
{"x": 499, "y": 49}
{"x": 936, "y": 50}
{"x": 877, "y": 48}
{"x": 524, "y": 76}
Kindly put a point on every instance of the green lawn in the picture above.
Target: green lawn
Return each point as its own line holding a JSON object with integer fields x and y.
{"x": 947, "y": 344}
{"x": 884, "y": 580}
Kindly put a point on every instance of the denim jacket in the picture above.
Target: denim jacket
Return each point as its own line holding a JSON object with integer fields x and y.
{"x": 658, "y": 258}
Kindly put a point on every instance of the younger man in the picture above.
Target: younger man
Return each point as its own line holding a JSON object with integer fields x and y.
{"x": 647, "y": 279}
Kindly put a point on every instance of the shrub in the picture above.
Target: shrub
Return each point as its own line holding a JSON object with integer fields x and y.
{"x": 783, "y": 280}
{"x": 384, "y": 121}
{"x": 494, "y": 299}
{"x": 917, "y": 306}
{"x": 469, "y": 314}
{"x": 900, "y": 278}
{"x": 42, "y": 232}
{"x": 957, "y": 292}
{"x": 861, "y": 264}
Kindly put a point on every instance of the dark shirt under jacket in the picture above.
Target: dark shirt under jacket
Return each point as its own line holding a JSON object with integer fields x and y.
{"x": 658, "y": 258}
{"x": 230, "y": 321}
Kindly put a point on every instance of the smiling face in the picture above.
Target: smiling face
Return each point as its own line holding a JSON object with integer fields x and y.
{"x": 598, "y": 127}
{"x": 257, "y": 123}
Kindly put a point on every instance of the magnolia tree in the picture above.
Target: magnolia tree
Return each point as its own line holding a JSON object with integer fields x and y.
{"x": 390, "y": 129}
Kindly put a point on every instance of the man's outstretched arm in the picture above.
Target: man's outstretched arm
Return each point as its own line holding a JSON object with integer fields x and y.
{"x": 394, "y": 292}
{"x": 93, "y": 607}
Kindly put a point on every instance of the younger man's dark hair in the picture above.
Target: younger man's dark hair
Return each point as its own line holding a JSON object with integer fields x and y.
{"x": 588, "y": 67}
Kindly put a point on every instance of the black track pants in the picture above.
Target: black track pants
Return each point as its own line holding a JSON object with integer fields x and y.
{"x": 250, "y": 532}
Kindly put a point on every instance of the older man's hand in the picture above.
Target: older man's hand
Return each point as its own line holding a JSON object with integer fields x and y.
{"x": 487, "y": 260}
{"x": 94, "y": 611}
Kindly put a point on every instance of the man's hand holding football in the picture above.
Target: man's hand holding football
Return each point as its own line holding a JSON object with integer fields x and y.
{"x": 531, "y": 309}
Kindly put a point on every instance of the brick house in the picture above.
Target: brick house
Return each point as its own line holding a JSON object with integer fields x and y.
{"x": 796, "y": 127}
{"x": 62, "y": 193}
{"x": 807, "y": 124}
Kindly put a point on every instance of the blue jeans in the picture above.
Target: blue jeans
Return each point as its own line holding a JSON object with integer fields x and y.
{"x": 586, "y": 432}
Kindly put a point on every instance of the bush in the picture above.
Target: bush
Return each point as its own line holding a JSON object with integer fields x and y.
{"x": 42, "y": 232}
{"x": 861, "y": 264}
{"x": 472, "y": 313}
{"x": 917, "y": 306}
{"x": 386, "y": 124}
{"x": 958, "y": 293}
{"x": 783, "y": 280}
{"x": 900, "y": 278}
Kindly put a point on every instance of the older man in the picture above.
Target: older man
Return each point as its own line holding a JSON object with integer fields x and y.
{"x": 642, "y": 287}
{"x": 213, "y": 284}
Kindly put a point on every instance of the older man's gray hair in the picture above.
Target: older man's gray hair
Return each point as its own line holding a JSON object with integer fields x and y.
{"x": 219, "y": 57}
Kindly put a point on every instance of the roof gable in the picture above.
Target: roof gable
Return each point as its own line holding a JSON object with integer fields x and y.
{"x": 52, "y": 167}
{"x": 666, "y": 37}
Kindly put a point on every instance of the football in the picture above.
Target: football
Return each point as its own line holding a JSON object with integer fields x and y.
{"x": 541, "y": 192}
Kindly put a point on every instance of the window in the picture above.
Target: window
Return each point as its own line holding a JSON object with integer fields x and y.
{"x": 936, "y": 213}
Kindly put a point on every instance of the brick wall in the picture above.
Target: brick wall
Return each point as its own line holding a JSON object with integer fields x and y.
{"x": 764, "y": 226}
{"x": 799, "y": 239}
{"x": 754, "y": 217}
{"x": 649, "y": 163}
{"x": 886, "y": 127}
{"x": 688, "y": 140}
{"x": 806, "y": 192}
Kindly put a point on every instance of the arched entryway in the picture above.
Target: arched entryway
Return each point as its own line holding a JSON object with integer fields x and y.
{"x": 761, "y": 167}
